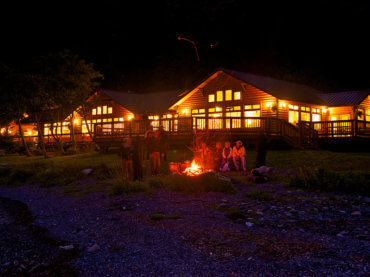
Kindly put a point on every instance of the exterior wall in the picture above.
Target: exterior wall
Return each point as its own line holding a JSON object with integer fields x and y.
{"x": 365, "y": 106}
{"x": 283, "y": 108}
{"x": 340, "y": 111}
{"x": 249, "y": 96}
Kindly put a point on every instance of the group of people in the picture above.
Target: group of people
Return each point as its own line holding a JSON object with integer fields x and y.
{"x": 132, "y": 153}
{"x": 223, "y": 158}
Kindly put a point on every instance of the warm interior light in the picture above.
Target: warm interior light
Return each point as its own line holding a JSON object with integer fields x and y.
{"x": 218, "y": 109}
{"x": 184, "y": 111}
{"x": 76, "y": 121}
{"x": 282, "y": 104}
{"x": 324, "y": 110}
{"x": 268, "y": 104}
{"x": 29, "y": 132}
{"x": 130, "y": 117}
{"x": 156, "y": 117}
{"x": 169, "y": 116}
{"x": 2, "y": 130}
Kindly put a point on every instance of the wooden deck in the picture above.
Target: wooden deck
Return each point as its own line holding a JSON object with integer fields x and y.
{"x": 182, "y": 130}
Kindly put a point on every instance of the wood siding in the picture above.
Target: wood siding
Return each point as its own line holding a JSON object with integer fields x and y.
{"x": 340, "y": 111}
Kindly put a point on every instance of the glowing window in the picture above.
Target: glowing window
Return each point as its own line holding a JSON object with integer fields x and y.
{"x": 98, "y": 120}
{"x": 93, "y": 111}
{"x": 305, "y": 116}
{"x": 99, "y": 110}
{"x": 237, "y": 95}
{"x": 121, "y": 119}
{"x": 110, "y": 110}
{"x": 220, "y": 96}
{"x": 211, "y": 98}
{"x": 109, "y": 119}
{"x": 105, "y": 109}
{"x": 228, "y": 95}
{"x": 94, "y": 121}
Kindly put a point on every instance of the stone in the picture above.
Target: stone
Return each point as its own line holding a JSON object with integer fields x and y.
{"x": 249, "y": 224}
{"x": 93, "y": 248}
{"x": 87, "y": 171}
{"x": 356, "y": 213}
{"x": 67, "y": 247}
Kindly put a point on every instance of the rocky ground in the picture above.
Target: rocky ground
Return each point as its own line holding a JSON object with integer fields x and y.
{"x": 264, "y": 230}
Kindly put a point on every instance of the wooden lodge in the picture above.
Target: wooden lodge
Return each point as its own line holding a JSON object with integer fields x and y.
{"x": 228, "y": 103}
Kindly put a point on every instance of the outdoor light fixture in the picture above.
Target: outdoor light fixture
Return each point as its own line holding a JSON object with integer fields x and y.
{"x": 130, "y": 117}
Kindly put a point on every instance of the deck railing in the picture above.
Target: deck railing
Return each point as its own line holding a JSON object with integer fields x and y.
{"x": 342, "y": 128}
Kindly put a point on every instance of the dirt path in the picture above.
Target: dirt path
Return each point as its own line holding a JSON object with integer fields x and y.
{"x": 166, "y": 233}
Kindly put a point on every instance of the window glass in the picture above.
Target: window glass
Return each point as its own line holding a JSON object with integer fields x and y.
{"x": 220, "y": 96}
{"x": 228, "y": 95}
{"x": 99, "y": 110}
{"x": 211, "y": 98}
{"x": 93, "y": 111}
{"x": 110, "y": 110}
{"x": 237, "y": 95}
{"x": 105, "y": 109}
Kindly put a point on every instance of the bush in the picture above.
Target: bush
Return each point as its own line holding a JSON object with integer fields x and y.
{"x": 350, "y": 182}
{"x": 14, "y": 177}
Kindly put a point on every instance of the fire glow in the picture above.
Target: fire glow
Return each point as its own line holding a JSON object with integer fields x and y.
{"x": 194, "y": 169}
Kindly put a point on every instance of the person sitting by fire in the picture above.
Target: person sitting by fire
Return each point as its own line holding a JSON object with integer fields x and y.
{"x": 239, "y": 156}
{"x": 227, "y": 157}
{"x": 217, "y": 156}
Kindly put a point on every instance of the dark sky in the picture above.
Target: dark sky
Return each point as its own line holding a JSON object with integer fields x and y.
{"x": 320, "y": 43}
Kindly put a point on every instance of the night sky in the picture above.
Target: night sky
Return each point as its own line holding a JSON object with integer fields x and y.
{"x": 320, "y": 43}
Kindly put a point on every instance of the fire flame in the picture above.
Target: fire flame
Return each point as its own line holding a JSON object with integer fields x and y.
{"x": 194, "y": 169}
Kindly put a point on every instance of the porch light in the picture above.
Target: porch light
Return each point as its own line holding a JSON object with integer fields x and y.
{"x": 2, "y": 131}
{"x": 130, "y": 117}
{"x": 29, "y": 132}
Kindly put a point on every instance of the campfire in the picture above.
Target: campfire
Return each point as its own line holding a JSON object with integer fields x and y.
{"x": 187, "y": 168}
{"x": 193, "y": 170}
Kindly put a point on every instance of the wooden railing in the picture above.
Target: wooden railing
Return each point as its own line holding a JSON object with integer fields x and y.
{"x": 342, "y": 128}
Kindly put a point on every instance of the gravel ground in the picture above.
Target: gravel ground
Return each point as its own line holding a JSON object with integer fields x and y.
{"x": 294, "y": 234}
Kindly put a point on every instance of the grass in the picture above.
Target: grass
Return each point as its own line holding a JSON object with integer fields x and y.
{"x": 323, "y": 179}
{"x": 259, "y": 195}
{"x": 161, "y": 216}
{"x": 65, "y": 170}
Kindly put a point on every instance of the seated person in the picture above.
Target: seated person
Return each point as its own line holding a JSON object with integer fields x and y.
{"x": 217, "y": 156}
{"x": 239, "y": 156}
{"x": 227, "y": 156}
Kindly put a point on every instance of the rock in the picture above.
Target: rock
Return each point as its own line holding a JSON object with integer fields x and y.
{"x": 249, "y": 224}
{"x": 259, "y": 212}
{"x": 93, "y": 248}
{"x": 67, "y": 247}
{"x": 87, "y": 171}
{"x": 356, "y": 213}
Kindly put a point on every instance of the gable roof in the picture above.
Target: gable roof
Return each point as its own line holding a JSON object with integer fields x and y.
{"x": 344, "y": 98}
{"x": 149, "y": 102}
{"x": 280, "y": 89}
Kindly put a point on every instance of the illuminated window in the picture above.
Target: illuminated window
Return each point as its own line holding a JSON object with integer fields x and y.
{"x": 220, "y": 96}
{"x": 211, "y": 98}
{"x": 228, "y": 95}
{"x": 110, "y": 110}
{"x": 305, "y": 116}
{"x": 316, "y": 117}
{"x": 105, "y": 109}
{"x": 360, "y": 114}
{"x": 314, "y": 110}
{"x": 237, "y": 95}
{"x": 199, "y": 122}
{"x": 293, "y": 116}
{"x": 109, "y": 119}
{"x": 105, "y": 120}
{"x": 282, "y": 104}
{"x": 98, "y": 120}
{"x": 291, "y": 107}
{"x": 307, "y": 109}
{"x": 94, "y": 121}
{"x": 235, "y": 113}
{"x": 121, "y": 119}
{"x": 99, "y": 110}
{"x": 93, "y": 111}
{"x": 185, "y": 112}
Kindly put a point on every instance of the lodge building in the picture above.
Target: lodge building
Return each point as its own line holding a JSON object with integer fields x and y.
{"x": 227, "y": 102}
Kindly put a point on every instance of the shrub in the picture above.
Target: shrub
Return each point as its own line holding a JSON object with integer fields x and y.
{"x": 259, "y": 195}
{"x": 14, "y": 177}
{"x": 351, "y": 182}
